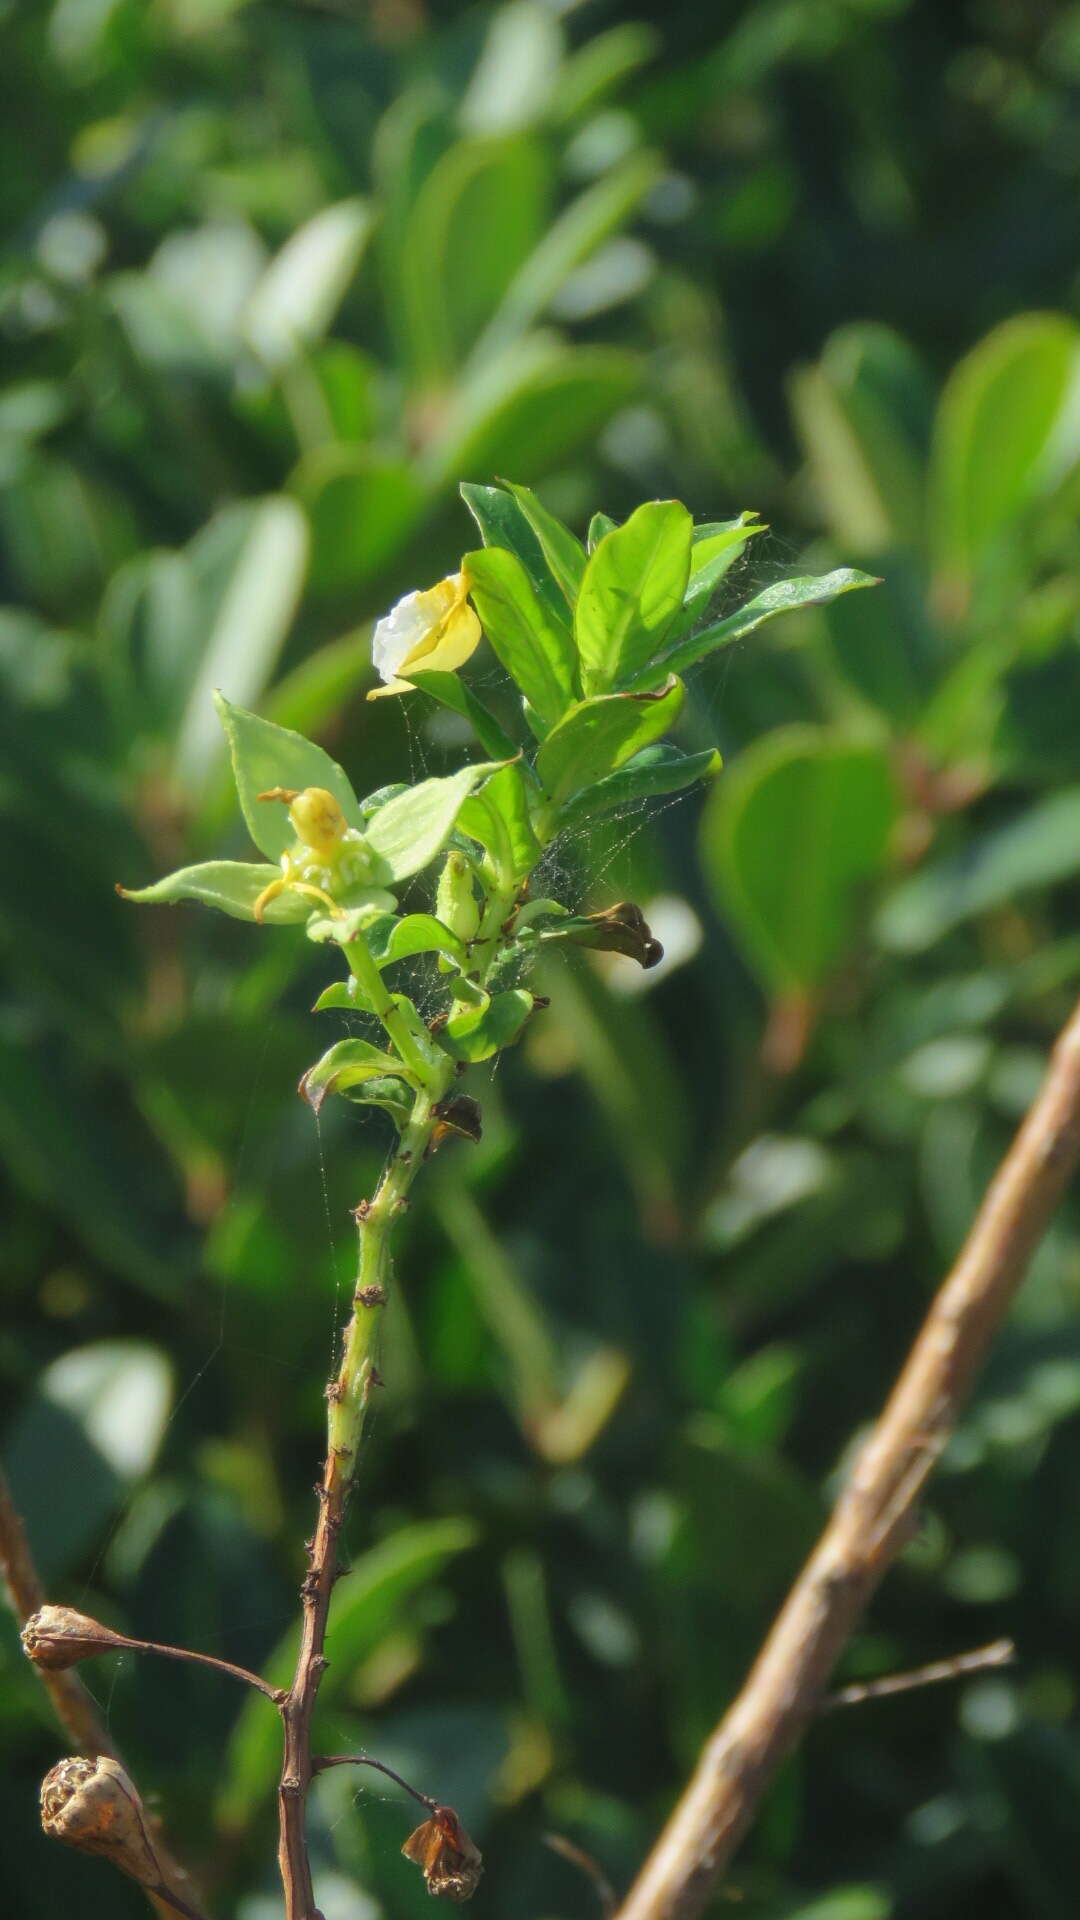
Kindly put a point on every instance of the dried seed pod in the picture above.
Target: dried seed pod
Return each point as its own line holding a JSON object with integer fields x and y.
{"x": 441, "y": 1848}
{"x": 91, "y": 1804}
{"x": 58, "y": 1637}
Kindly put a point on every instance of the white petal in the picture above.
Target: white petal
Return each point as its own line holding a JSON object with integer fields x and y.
{"x": 397, "y": 633}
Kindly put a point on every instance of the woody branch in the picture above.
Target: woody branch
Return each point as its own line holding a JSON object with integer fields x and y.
{"x": 874, "y": 1514}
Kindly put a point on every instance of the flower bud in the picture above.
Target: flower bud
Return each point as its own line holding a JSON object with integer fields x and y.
{"x": 91, "y": 1804}
{"x": 455, "y": 902}
{"x": 319, "y": 821}
{"x": 450, "y": 1863}
{"x": 58, "y": 1637}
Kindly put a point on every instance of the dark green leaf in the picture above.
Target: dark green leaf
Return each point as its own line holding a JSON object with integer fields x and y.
{"x": 345, "y": 1065}
{"x": 784, "y": 596}
{"x": 451, "y": 691}
{"x": 564, "y": 554}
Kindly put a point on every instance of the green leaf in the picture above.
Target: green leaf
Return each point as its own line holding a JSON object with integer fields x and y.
{"x": 599, "y": 525}
{"x": 1037, "y": 849}
{"x": 265, "y": 756}
{"x": 598, "y": 736}
{"x": 386, "y": 1091}
{"x": 502, "y": 523}
{"x": 799, "y": 826}
{"x": 527, "y": 408}
{"x": 498, "y": 817}
{"x": 564, "y": 554}
{"x": 784, "y": 596}
{"x": 483, "y": 1031}
{"x": 302, "y": 288}
{"x": 230, "y": 885}
{"x": 369, "y": 1603}
{"x": 418, "y": 933}
{"x": 451, "y": 691}
{"x": 656, "y": 771}
{"x": 714, "y": 550}
{"x": 410, "y": 830}
{"x": 536, "y": 651}
{"x": 476, "y": 220}
{"x": 568, "y": 240}
{"x": 633, "y": 587}
{"x": 863, "y": 415}
{"x": 267, "y": 549}
{"x": 346, "y": 1065}
{"x": 1006, "y": 432}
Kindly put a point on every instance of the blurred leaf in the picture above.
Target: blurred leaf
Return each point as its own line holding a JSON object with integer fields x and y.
{"x": 515, "y": 78}
{"x": 361, "y": 505}
{"x": 1038, "y": 848}
{"x": 260, "y": 587}
{"x": 476, "y": 217}
{"x": 795, "y": 831}
{"x": 862, "y": 415}
{"x": 302, "y": 288}
{"x": 1007, "y": 432}
{"x": 523, "y": 409}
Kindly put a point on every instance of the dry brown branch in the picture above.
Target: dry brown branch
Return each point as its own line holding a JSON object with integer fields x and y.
{"x": 874, "y": 1514}
{"x": 73, "y": 1705}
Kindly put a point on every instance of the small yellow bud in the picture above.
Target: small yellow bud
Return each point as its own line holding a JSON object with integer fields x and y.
{"x": 92, "y": 1805}
{"x": 319, "y": 821}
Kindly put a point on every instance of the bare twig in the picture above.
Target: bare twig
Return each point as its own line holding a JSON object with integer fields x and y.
{"x": 73, "y": 1705}
{"x": 874, "y": 1514}
{"x": 1000, "y": 1653}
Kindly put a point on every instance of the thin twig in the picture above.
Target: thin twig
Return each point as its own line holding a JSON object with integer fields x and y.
{"x": 320, "y": 1765}
{"x": 122, "y": 1643}
{"x": 73, "y": 1705}
{"x": 1000, "y": 1653}
{"x": 585, "y": 1864}
{"x": 874, "y": 1514}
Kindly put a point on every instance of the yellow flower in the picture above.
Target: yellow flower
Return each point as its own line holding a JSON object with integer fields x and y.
{"x": 433, "y": 632}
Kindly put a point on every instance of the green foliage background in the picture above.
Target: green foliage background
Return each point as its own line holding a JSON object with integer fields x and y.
{"x": 275, "y": 277}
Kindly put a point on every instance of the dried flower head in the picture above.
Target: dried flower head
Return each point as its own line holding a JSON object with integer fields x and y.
{"x": 58, "y": 1637}
{"x": 441, "y": 1848}
{"x": 91, "y": 1804}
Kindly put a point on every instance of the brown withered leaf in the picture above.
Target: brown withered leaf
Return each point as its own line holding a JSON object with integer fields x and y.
{"x": 450, "y": 1863}
{"x": 622, "y": 928}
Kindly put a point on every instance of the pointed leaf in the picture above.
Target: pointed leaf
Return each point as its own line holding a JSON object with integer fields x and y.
{"x": 784, "y": 596}
{"x": 346, "y": 1065}
{"x": 232, "y": 886}
{"x": 715, "y": 549}
{"x": 483, "y": 1031}
{"x": 564, "y": 554}
{"x": 419, "y": 933}
{"x": 597, "y": 737}
{"x": 451, "y": 691}
{"x": 498, "y": 817}
{"x": 632, "y": 590}
{"x": 410, "y": 830}
{"x": 656, "y": 771}
{"x": 535, "y": 649}
{"x": 599, "y": 525}
{"x": 266, "y": 756}
{"x": 302, "y": 288}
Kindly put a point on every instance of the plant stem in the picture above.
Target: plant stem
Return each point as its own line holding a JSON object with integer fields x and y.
{"x": 349, "y": 1392}
{"x": 875, "y": 1512}
{"x": 348, "y": 1395}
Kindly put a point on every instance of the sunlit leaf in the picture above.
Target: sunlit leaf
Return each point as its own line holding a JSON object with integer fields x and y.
{"x": 631, "y": 592}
